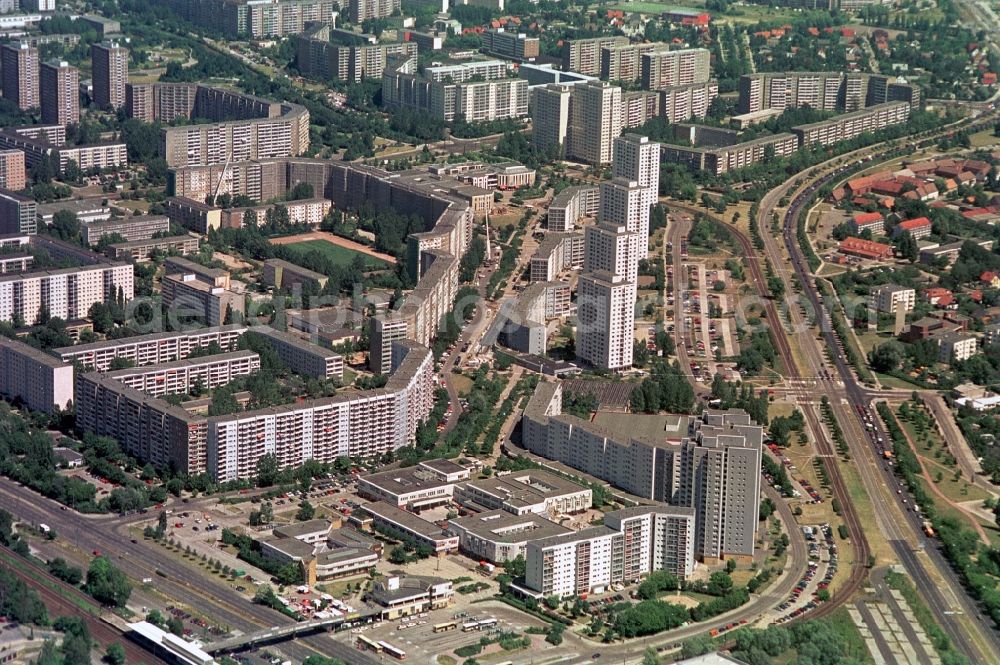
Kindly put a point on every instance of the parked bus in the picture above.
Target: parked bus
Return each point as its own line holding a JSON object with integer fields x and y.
{"x": 445, "y": 627}
{"x": 366, "y": 644}
{"x": 395, "y": 652}
{"x": 482, "y": 624}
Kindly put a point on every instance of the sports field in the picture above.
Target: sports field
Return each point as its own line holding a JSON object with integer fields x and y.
{"x": 340, "y": 250}
{"x": 336, "y": 253}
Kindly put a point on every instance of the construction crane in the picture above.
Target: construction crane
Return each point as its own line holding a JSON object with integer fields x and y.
{"x": 222, "y": 177}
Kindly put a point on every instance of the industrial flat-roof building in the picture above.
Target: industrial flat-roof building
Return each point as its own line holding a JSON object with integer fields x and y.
{"x": 526, "y": 492}
{"x": 499, "y": 536}
{"x": 398, "y": 521}
{"x": 429, "y": 483}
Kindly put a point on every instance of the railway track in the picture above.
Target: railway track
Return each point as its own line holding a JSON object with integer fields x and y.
{"x": 57, "y": 595}
{"x": 859, "y": 542}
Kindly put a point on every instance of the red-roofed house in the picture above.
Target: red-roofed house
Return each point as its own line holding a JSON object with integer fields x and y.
{"x": 989, "y": 78}
{"x": 868, "y": 221}
{"x": 990, "y": 278}
{"x": 939, "y": 297}
{"x": 966, "y": 178}
{"x": 865, "y": 249}
{"x": 889, "y": 187}
{"x": 918, "y": 228}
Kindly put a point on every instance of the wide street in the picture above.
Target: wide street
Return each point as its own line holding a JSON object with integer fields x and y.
{"x": 897, "y": 522}
{"x": 171, "y": 576}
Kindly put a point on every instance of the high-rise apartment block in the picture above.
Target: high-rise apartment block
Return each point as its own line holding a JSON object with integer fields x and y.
{"x": 39, "y": 142}
{"x": 828, "y": 91}
{"x": 570, "y": 205}
{"x": 360, "y": 10}
{"x": 255, "y": 18}
{"x": 190, "y": 294}
{"x": 550, "y": 106}
{"x": 18, "y": 214}
{"x": 513, "y": 45}
{"x": 680, "y": 103}
{"x": 317, "y": 57}
{"x": 60, "y": 93}
{"x": 245, "y": 127}
{"x": 663, "y": 68}
{"x": 12, "y": 173}
{"x": 605, "y": 331}
{"x": 39, "y": 380}
{"x": 578, "y": 121}
{"x": 385, "y": 330}
{"x": 451, "y": 92}
{"x": 624, "y": 63}
{"x": 110, "y": 74}
{"x": 850, "y": 125}
{"x": 710, "y": 464}
{"x": 632, "y": 543}
{"x": 19, "y": 63}
{"x": 181, "y": 376}
{"x": 637, "y": 159}
{"x": 229, "y": 447}
{"x": 612, "y": 248}
{"x": 67, "y": 293}
{"x": 626, "y": 203}
{"x": 584, "y": 55}
{"x": 595, "y": 121}
{"x": 301, "y": 356}
{"x": 151, "y": 349}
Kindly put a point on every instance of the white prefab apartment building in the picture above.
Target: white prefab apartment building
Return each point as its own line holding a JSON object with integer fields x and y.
{"x": 632, "y": 543}
{"x": 39, "y": 380}
{"x": 890, "y": 298}
{"x": 712, "y": 465}
{"x": 151, "y": 349}
{"x": 66, "y": 293}
{"x": 180, "y": 376}
{"x": 607, "y": 320}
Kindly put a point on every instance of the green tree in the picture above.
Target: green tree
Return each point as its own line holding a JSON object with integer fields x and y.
{"x": 65, "y": 225}
{"x": 106, "y": 583}
{"x": 67, "y": 573}
{"x": 175, "y": 626}
{"x": 267, "y": 470}
{"x": 306, "y": 511}
{"x": 115, "y": 655}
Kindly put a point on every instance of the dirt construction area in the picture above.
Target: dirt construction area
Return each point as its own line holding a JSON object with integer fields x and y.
{"x": 334, "y": 240}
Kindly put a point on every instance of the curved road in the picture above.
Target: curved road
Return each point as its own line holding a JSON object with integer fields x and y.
{"x": 901, "y": 526}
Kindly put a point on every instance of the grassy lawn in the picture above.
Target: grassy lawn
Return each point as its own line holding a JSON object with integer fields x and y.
{"x": 984, "y": 138}
{"x": 866, "y": 515}
{"x": 956, "y": 490}
{"x": 463, "y": 384}
{"x": 339, "y": 588}
{"x": 895, "y": 382}
{"x": 340, "y": 255}
{"x": 939, "y": 460}
{"x": 850, "y": 636}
